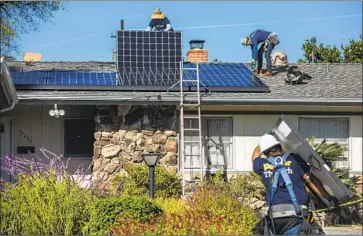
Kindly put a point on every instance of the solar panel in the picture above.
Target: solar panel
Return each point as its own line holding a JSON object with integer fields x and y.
{"x": 224, "y": 76}
{"x": 65, "y": 78}
{"x": 32, "y": 77}
{"x": 149, "y": 58}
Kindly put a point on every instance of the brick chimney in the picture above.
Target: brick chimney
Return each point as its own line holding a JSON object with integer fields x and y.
{"x": 196, "y": 52}
{"x": 32, "y": 57}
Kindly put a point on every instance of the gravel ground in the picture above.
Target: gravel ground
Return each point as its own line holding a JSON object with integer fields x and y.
{"x": 343, "y": 230}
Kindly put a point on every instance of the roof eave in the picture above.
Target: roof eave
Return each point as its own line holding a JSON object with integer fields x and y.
{"x": 207, "y": 100}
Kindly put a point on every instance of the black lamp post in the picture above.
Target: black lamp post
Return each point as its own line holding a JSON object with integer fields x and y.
{"x": 151, "y": 159}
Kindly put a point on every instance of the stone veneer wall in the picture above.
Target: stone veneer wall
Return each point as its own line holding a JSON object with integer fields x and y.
{"x": 124, "y": 132}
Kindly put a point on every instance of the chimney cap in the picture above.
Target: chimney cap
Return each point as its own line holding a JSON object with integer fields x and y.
{"x": 196, "y": 43}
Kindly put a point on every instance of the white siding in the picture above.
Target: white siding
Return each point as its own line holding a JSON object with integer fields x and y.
{"x": 249, "y": 128}
{"x": 355, "y": 144}
{"x": 32, "y": 126}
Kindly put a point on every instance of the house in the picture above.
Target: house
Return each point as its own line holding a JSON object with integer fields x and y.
{"x": 111, "y": 128}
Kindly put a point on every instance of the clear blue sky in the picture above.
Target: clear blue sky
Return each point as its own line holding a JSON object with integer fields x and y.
{"x": 82, "y": 32}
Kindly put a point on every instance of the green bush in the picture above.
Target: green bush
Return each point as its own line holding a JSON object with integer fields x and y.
{"x": 243, "y": 186}
{"x": 41, "y": 205}
{"x": 104, "y": 212}
{"x": 208, "y": 212}
{"x": 136, "y": 182}
{"x": 172, "y": 205}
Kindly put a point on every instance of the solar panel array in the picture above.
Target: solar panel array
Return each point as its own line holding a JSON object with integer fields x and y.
{"x": 224, "y": 76}
{"x": 149, "y": 58}
{"x": 147, "y": 61}
{"x": 68, "y": 78}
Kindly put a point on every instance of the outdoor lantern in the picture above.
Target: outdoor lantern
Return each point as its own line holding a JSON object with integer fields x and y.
{"x": 151, "y": 159}
{"x": 56, "y": 113}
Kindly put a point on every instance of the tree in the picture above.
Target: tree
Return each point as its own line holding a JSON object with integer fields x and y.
{"x": 21, "y": 17}
{"x": 319, "y": 53}
{"x": 353, "y": 52}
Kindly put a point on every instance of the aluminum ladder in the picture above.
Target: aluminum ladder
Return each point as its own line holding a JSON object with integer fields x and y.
{"x": 193, "y": 101}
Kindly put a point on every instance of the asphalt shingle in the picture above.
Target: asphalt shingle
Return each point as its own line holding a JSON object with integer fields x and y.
{"x": 329, "y": 81}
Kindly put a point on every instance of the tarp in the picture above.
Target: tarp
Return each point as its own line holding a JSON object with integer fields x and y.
{"x": 286, "y": 134}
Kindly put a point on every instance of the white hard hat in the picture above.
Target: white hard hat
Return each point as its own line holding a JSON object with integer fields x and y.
{"x": 267, "y": 141}
{"x": 244, "y": 41}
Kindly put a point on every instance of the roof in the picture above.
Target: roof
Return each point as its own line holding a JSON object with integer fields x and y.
{"x": 330, "y": 83}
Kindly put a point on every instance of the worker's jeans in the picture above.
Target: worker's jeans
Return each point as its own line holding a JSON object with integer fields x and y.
{"x": 270, "y": 46}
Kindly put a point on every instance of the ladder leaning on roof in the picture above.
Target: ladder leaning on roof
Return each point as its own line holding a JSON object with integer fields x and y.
{"x": 193, "y": 101}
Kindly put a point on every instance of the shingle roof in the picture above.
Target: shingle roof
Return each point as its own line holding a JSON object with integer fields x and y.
{"x": 329, "y": 81}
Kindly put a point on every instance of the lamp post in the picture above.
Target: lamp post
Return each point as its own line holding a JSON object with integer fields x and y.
{"x": 151, "y": 160}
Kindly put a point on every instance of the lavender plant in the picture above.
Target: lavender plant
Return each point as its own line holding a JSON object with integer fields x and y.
{"x": 45, "y": 198}
{"x": 50, "y": 165}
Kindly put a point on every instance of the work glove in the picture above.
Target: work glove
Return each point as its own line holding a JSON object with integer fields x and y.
{"x": 253, "y": 64}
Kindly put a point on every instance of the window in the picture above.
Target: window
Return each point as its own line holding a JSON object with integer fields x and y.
{"x": 79, "y": 139}
{"x": 217, "y": 140}
{"x": 333, "y": 129}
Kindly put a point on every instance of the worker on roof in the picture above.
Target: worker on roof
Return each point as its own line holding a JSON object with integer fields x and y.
{"x": 268, "y": 40}
{"x": 283, "y": 175}
{"x": 159, "y": 22}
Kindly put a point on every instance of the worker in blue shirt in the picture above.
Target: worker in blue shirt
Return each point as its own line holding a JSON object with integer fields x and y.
{"x": 268, "y": 40}
{"x": 159, "y": 22}
{"x": 282, "y": 207}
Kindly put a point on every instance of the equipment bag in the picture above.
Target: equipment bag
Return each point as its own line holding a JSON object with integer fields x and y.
{"x": 294, "y": 75}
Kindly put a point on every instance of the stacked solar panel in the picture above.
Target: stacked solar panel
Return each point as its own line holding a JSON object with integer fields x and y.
{"x": 149, "y": 58}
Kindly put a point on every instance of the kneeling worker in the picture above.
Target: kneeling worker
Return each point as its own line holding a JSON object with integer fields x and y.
{"x": 268, "y": 40}
{"x": 283, "y": 175}
{"x": 159, "y": 22}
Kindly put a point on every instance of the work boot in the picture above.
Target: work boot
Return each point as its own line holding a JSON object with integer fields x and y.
{"x": 267, "y": 74}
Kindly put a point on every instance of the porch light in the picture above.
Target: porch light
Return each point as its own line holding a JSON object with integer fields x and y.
{"x": 151, "y": 160}
{"x": 56, "y": 113}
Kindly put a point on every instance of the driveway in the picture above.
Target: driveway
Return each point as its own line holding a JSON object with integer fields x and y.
{"x": 354, "y": 230}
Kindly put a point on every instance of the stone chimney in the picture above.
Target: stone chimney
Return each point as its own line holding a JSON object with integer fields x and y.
{"x": 32, "y": 57}
{"x": 196, "y": 52}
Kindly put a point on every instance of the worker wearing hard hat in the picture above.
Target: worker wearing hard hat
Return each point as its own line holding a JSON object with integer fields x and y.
{"x": 285, "y": 192}
{"x": 159, "y": 22}
{"x": 268, "y": 40}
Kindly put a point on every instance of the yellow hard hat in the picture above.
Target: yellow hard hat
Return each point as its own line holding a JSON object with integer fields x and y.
{"x": 157, "y": 11}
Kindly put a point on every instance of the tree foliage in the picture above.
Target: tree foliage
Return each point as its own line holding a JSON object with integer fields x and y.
{"x": 320, "y": 53}
{"x": 353, "y": 52}
{"x": 21, "y": 17}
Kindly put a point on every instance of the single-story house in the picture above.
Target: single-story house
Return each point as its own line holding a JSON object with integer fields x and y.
{"x": 110, "y": 128}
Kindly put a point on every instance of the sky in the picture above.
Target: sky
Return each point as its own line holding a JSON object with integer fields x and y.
{"x": 82, "y": 32}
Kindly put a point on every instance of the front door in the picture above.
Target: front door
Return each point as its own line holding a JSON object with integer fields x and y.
{"x": 5, "y": 143}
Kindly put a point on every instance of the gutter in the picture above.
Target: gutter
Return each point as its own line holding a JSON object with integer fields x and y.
{"x": 9, "y": 108}
{"x": 8, "y": 86}
{"x": 175, "y": 99}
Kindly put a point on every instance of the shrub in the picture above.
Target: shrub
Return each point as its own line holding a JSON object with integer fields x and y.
{"x": 42, "y": 204}
{"x": 248, "y": 186}
{"x": 136, "y": 182}
{"x": 245, "y": 187}
{"x": 104, "y": 212}
{"x": 208, "y": 212}
{"x": 172, "y": 205}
